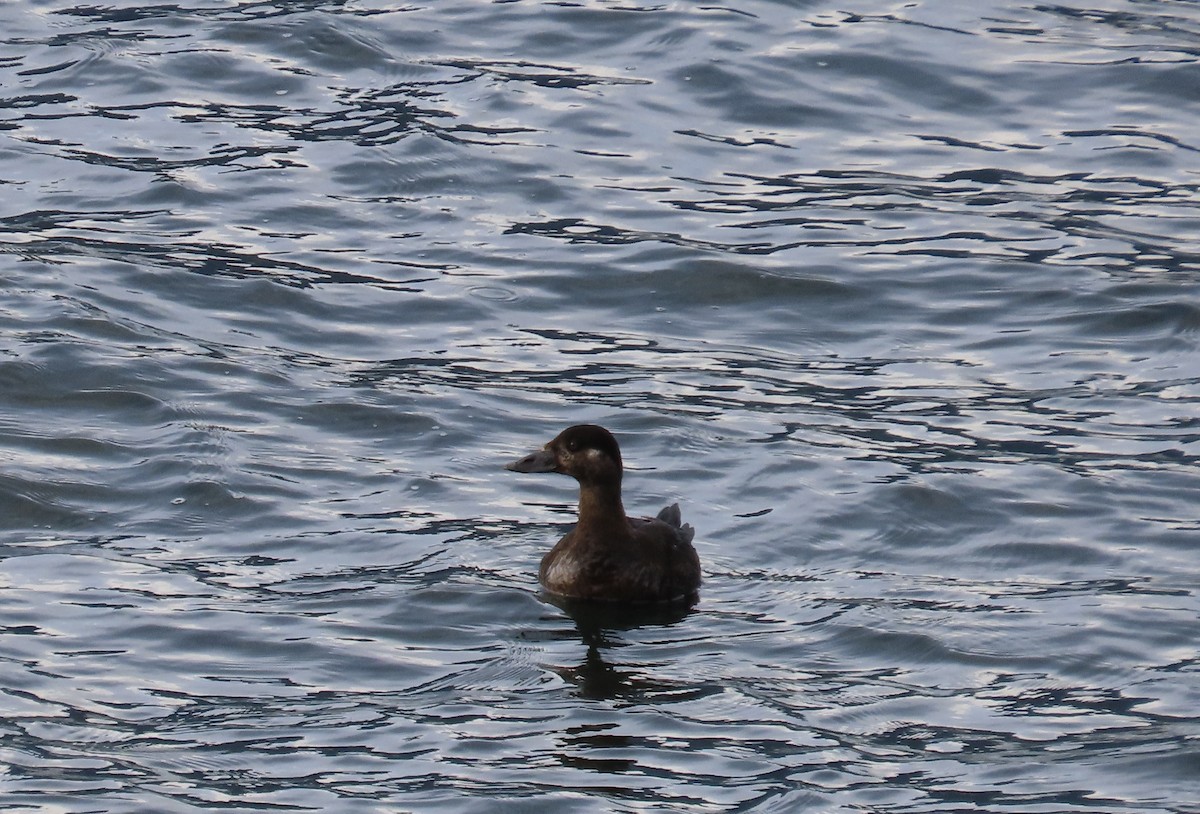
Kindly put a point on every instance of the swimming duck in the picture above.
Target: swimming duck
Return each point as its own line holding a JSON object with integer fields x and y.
{"x": 609, "y": 556}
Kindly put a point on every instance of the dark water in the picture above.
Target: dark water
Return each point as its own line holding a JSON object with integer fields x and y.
{"x": 900, "y": 301}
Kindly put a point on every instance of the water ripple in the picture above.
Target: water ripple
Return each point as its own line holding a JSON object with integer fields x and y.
{"x": 898, "y": 302}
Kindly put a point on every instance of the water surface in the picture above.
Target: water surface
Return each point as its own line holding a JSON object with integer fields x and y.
{"x": 899, "y": 301}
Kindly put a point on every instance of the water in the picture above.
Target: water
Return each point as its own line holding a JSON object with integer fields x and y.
{"x": 898, "y": 300}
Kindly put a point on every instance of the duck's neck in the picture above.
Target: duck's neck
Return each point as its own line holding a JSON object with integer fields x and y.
{"x": 600, "y": 506}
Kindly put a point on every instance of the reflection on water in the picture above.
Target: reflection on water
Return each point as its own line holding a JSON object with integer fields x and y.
{"x": 599, "y": 625}
{"x": 897, "y": 302}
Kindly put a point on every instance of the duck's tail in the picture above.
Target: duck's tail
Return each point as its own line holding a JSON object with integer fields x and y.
{"x": 673, "y": 517}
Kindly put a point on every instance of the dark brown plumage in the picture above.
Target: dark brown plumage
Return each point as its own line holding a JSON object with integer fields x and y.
{"x": 609, "y": 556}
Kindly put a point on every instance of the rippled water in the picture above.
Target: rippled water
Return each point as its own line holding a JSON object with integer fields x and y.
{"x": 900, "y": 301}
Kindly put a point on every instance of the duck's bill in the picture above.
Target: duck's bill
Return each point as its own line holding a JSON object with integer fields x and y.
{"x": 540, "y": 461}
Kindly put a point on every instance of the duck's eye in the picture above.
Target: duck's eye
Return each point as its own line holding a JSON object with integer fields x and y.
{"x": 572, "y": 445}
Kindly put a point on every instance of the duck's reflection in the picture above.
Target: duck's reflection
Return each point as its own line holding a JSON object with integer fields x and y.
{"x": 599, "y": 625}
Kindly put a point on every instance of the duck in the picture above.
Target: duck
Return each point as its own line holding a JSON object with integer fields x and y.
{"x": 609, "y": 556}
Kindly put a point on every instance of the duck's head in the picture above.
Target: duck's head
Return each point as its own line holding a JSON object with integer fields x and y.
{"x": 586, "y": 452}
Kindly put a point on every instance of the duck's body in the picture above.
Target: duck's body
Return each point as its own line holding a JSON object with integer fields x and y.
{"x": 608, "y": 555}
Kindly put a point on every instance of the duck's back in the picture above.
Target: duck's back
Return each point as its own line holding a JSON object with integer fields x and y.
{"x": 655, "y": 562}
{"x": 673, "y": 552}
